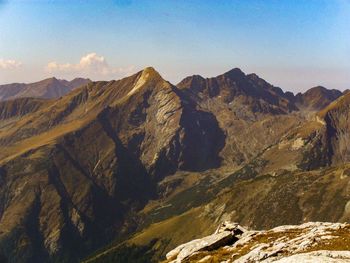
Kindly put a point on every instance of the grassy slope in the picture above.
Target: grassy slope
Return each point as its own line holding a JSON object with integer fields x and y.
{"x": 264, "y": 202}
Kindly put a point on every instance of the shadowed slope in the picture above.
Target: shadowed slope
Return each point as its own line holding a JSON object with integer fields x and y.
{"x": 87, "y": 162}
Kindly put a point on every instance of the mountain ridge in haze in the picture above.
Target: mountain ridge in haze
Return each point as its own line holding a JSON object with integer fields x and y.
{"x": 47, "y": 88}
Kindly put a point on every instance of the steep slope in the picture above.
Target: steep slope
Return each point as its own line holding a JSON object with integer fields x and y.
{"x": 20, "y": 107}
{"x": 337, "y": 121}
{"x": 254, "y": 200}
{"x": 321, "y": 141}
{"x": 48, "y": 88}
{"x": 235, "y": 87}
{"x": 79, "y": 194}
{"x": 296, "y": 175}
{"x": 247, "y": 109}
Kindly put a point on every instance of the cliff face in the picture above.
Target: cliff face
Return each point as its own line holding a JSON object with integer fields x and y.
{"x": 337, "y": 119}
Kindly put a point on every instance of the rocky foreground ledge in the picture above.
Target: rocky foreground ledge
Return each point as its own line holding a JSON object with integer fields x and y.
{"x": 309, "y": 242}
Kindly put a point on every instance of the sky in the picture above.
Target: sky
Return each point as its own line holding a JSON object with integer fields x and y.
{"x": 293, "y": 44}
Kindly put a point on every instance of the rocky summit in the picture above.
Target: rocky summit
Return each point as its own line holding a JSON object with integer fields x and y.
{"x": 309, "y": 242}
{"x": 127, "y": 170}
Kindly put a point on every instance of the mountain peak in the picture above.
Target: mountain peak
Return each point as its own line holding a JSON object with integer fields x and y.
{"x": 323, "y": 90}
{"x": 146, "y": 75}
{"x": 49, "y": 80}
{"x": 234, "y": 73}
{"x": 317, "y": 88}
{"x": 317, "y": 97}
{"x": 150, "y": 72}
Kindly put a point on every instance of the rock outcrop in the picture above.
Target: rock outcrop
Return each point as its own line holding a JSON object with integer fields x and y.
{"x": 226, "y": 234}
{"x": 311, "y": 242}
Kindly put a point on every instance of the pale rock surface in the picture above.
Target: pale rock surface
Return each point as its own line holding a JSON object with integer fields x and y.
{"x": 322, "y": 256}
{"x": 286, "y": 244}
{"x": 226, "y": 233}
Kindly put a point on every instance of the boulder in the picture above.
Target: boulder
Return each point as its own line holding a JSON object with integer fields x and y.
{"x": 226, "y": 234}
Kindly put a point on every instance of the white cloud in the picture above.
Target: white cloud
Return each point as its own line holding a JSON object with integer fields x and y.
{"x": 9, "y": 64}
{"x": 90, "y": 65}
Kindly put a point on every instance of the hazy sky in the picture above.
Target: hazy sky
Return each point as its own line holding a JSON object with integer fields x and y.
{"x": 294, "y": 44}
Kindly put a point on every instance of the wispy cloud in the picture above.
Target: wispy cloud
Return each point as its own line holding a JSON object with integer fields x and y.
{"x": 9, "y": 64}
{"x": 90, "y": 65}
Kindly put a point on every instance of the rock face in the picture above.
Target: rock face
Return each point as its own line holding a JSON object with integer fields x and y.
{"x": 328, "y": 144}
{"x": 294, "y": 243}
{"x": 234, "y": 86}
{"x": 226, "y": 234}
{"x": 78, "y": 194}
{"x": 247, "y": 109}
{"x": 337, "y": 122}
{"x": 48, "y": 88}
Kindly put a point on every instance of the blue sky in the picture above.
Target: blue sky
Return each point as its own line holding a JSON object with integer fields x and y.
{"x": 294, "y": 44}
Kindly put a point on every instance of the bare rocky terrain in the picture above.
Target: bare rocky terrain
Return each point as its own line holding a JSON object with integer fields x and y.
{"x": 308, "y": 242}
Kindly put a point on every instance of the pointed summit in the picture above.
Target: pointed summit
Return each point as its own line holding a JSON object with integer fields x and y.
{"x": 146, "y": 75}
{"x": 150, "y": 73}
{"x": 149, "y": 69}
{"x": 48, "y": 81}
{"x": 234, "y": 73}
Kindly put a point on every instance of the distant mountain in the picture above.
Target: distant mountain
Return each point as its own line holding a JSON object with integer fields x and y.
{"x": 48, "y": 88}
{"x": 155, "y": 165}
{"x": 316, "y": 98}
{"x": 234, "y": 87}
{"x": 244, "y": 105}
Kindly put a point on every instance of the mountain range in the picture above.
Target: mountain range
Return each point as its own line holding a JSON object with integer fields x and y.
{"x": 47, "y": 88}
{"x": 131, "y": 168}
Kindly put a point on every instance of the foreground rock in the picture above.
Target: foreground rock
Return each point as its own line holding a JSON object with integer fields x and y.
{"x": 226, "y": 234}
{"x": 309, "y": 242}
{"x": 324, "y": 256}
